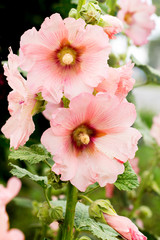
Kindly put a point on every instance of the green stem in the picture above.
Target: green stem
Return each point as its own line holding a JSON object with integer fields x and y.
{"x": 86, "y": 198}
{"x": 70, "y": 212}
{"x": 59, "y": 235}
{"x": 79, "y": 6}
{"x": 46, "y": 196}
{"x": 92, "y": 190}
{"x": 48, "y": 164}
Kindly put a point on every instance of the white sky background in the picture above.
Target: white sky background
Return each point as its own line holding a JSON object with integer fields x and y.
{"x": 147, "y": 97}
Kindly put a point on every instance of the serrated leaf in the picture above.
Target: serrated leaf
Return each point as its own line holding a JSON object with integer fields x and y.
{"x": 83, "y": 222}
{"x": 33, "y": 154}
{"x": 153, "y": 75}
{"x": 128, "y": 180}
{"x": 21, "y": 172}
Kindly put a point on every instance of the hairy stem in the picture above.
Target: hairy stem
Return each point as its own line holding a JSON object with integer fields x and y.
{"x": 67, "y": 233}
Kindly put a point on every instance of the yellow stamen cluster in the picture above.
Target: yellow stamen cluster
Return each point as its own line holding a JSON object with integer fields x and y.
{"x": 67, "y": 56}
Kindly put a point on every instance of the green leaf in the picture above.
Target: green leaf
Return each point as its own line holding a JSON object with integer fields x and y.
{"x": 128, "y": 180}
{"x": 153, "y": 75}
{"x": 23, "y": 202}
{"x": 33, "y": 154}
{"x": 83, "y": 222}
{"x": 21, "y": 172}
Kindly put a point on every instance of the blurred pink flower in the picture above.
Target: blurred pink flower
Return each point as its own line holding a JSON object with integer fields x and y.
{"x": 64, "y": 56}
{"x": 9, "y": 192}
{"x": 125, "y": 227}
{"x": 5, "y": 233}
{"x": 155, "y": 130}
{"x": 119, "y": 81}
{"x": 6, "y": 195}
{"x": 92, "y": 139}
{"x": 21, "y": 103}
{"x": 136, "y": 16}
{"x": 113, "y": 25}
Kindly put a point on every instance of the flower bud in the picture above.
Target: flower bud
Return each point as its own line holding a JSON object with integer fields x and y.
{"x": 91, "y": 12}
{"x": 99, "y": 207}
{"x": 54, "y": 180}
{"x": 73, "y": 13}
{"x": 39, "y": 105}
{"x": 56, "y": 213}
{"x": 144, "y": 212}
{"x": 43, "y": 213}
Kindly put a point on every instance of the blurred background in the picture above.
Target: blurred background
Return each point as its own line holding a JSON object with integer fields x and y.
{"x": 18, "y": 16}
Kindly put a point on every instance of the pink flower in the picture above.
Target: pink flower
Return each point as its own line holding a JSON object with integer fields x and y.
{"x": 6, "y": 195}
{"x": 112, "y": 25}
{"x": 64, "y": 56}
{"x": 119, "y": 81}
{"x": 5, "y": 233}
{"x": 125, "y": 227}
{"x": 136, "y": 15}
{"x": 21, "y": 103}
{"x": 92, "y": 139}
{"x": 155, "y": 130}
{"x": 9, "y": 192}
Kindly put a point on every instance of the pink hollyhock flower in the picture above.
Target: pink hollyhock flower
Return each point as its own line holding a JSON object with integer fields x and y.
{"x": 155, "y": 130}
{"x": 124, "y": 226}
{"x": 9, "y": 192}
{"x": 64, "y": 56}
{"x": 21, "y": 103}
{"x": 112, "y": 25}
{"x": 135, "y": 14}
{"x": 5, "y": 233}
{"x": 92, "y": 139}
{"x": 119, "y": 81}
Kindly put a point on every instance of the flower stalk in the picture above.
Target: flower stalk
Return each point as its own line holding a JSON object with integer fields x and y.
{"x": 70, "y": 212}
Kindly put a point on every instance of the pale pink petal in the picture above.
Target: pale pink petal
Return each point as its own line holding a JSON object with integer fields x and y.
{"x": 155, "y": 129}
{"x": 13, "y": 186}
{"x": 50, "y": 109}
{"x": 18, "y": 130}
{"x": 121, "y": 145}
{"x": 4, "y": 220}
{"x": 14, "y": 234}
{"x": 109, "y": 188}
{"x": 125, "y": 227}
{"x": 112, "y": 25}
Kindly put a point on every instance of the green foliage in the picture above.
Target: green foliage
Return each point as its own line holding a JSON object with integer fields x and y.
{"x": 21, "y": 172}
{"x": 33, "y": 154}
{"x": 153, "y": 75}
{"x": 128, "y": 180}
{"x": 83, "y": 222}
{"x": 157, "y": 4}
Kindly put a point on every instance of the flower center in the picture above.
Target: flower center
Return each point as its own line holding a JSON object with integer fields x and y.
{"x": 128, "y": 18}
{"x": 67, "y": 56}
{"x": 82, "y": 135}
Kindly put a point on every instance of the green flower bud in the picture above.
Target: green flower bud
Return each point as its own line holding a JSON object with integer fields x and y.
{"x": 91, "y": 12}
{"x": 56, "y": 213}
{"x": 39, "y": 105}
{"x": 54, "y": 180}
{"x": 144, "y": 212}
{"x": 99, "y": 207}
{"x": 43, "y": 213}
{"x": 36, "y": 205}
{"x": 73, "y": 13}
{"x": 113, "y": 61}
